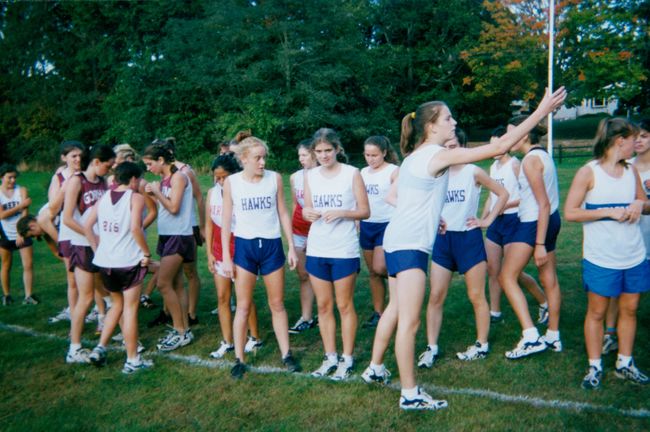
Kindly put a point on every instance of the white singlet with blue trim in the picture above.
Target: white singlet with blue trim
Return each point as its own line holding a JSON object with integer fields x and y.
{"x": 420, "y": 198}
{"x": 608, "y": 243}
{"x": 377, "y": 186}
{"x": 528, "y": 208}
{"x": 8, "y": 224}
{"x": 336, "y": 239}
{"x": 117, "y": 247}
{"x": 504, "y": 174}
{"x": 461, "y": 200}
{"x": 181, "y": 222}
{"x": 255, "y": 206}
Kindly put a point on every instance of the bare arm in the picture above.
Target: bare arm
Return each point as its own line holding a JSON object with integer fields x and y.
{"x": 362, "y": 209}
{"x": 150, "y": 204}
{"x": 208, "y": 232}
{"x": 226, "y": 231}
{"x": 534, "y": 171}
{"x": 482, "y": 178}
{"x": 285, "y": 221}
{"x": 137, "y": 206}
{"x": 308, "y": 212}
{"x": 88, "y": 228}
{"x": 72, "y": 191}
{"x": 173, "y": 203}
{"x": 197, "y": 194}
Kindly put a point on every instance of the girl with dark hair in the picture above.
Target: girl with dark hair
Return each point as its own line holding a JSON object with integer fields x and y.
{"x": 536, "y": 237}
{"x": 300, "y": 231}
{"x": 607, "y": 196}
{"x": 222, "y": 167}
{"x": 176, "y": 244}
{"x": 82, "y": 191}
{"x": 411, "y": 232}
{"x": 378, "y": 176}
{"x": 335, "y": 198}
{"x": 14, "y": 203}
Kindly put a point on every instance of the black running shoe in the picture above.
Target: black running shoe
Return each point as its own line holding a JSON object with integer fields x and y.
{"x": 238, "y": 370}
{"x": 291, "y": 363}
{"x": 161, "y": 319}
{"x": 192, "y": 321}
{"x": 372, "y": 321}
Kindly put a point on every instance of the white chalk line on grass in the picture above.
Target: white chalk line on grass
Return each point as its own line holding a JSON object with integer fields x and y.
{"x": 195, "y": 360}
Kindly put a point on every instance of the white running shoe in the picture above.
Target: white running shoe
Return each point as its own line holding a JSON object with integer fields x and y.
{"x": 326, "y": 368}
{"x": 421, "y": 402}
{"x": 131, "y": 368}
{"x": 542, "y": 315}
{"x": 371, "y": 376}
{"x": 92, "y": 316}
{"x": 118, "y": 338}
{"x": 98, "y": 356}
{"x": 474, "y": 352}
{"x": 173, "y": 341}
{"x": 631, "y": 373}
{"x": 222, "y": 350}
{"x": 427, "y": 358}
{"x": 64, "y": 315}
{"x": 555, "y": 345}
{"x": 592, "y": 380}
{"x": 252, "y": 344}
{"x": 82, "y": 355}
{"x": 524, "y": 349}
{"x": 343, "y": 371}
{"x": 610, "y": 344}
{"x": 214, "y": 311}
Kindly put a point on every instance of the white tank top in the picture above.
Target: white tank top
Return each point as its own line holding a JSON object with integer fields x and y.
{"x": 299, "y": 187}
{"x": 255, "y": 206}
{"x": 216, "y": 207}
{"x": 504, "y": 174}
{"x": 377, "y": 186}
{"x": 181, "y": 222}
{"x": 420, "y": 198}
{"x": 337, "y": 239}
{"x": 528, "y": 208}
{"x": 608, "y": 243}
{"x": 644, "y": 223}
{"x": 117, "y": 247}
{"x": 8, "y": 224}
{"x": 461, "y": 200}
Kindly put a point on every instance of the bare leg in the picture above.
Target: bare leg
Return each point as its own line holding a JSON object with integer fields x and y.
{"x": 130, "y": 320}
{"x": 224, "y": 290}
{"x": 439, "y": 280}
{"x": 85, "y": 284}
{"x": 548, "y": 277}
{"x": 344, "y": 293}
{"x": 170, "y": 270}
{"x": 494, "y": 255}
{"x": 274, "y": 283}
{"x": 326, "y": 320}
{"x": 244, "y": 285}
{"x": 26, "y": 256}
{"x": 628, "y": 305}
{"x": 306, "y": 291}
{"x": 475, "y": 281}
{"x": 375, "y": 261}
{"x": 386, "y": 326}
{"x": 6, "y": 256}
{"x": 596, "y": 308}
{"x": 194, "y": 285}
{"x": 517, "y": 256}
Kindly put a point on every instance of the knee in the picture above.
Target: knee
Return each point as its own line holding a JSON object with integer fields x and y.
{"x": 345, "y": 307}
{"x": 276, "y": 306}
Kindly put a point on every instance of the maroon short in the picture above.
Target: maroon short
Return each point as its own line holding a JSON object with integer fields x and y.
{"x": 197, "y": 236}
{"x": 121, "y": 279}
{"x": 64, "y": 248}
{"x": 82, "y": 257}
{"x": 183, "y": 245}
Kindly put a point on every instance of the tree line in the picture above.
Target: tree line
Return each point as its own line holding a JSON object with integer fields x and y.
{"x": 200, "y": 70}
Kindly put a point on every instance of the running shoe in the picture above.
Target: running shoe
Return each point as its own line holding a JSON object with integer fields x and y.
{"x": 592, "y": 380}
{"x": 146, "y": 302}
{"x": 631, "y": 373}
{"x": 7, "y": 300}
{"x": 214, "y": 311}
{"x": 238, "y": 370}
{"x": 92, "y": 316}
{"x": 100, "y": 324}
{"x": 291, "y": 363}
{"x": 343, "y": 371}
{"x": 542, "y": 315}
{"x": 192, "y": 321}
{"x": 495, "y": 319}
{"x": 98, "y": 356}
{"x": 161, "y": 319}
{"x": 188, "y": 338}
{"x": 474, "y": 352}
{"x": 326, "y": 368}
{"x": 372, "y": 321}
{"x": 421, "y": 402}
{"x": 252, "y": 344}
{"x": 610, "y": 344}
{"x": 427, "y": 358}
{"x": 139, "y": 348}
{"x": 174, "y": 341}
{"x": 82, "y": 355}
{"x": 555, "y": 345}
{"x": 131, "y": 367}
{"x": 31, "y": 300}
{"x": 524, "y": 349}
{"x": 118, "y": 338}
{"x": 301, "y": 325}
{"x": 222, "y": 350}
{"x": 371, "y": 376}
{"x": 64, "y": 315}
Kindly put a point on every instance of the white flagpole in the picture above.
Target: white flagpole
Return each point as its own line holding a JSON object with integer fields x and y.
{"x": 551, "y": 43}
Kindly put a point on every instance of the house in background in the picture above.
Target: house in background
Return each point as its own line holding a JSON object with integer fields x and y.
{"x": 588, "y": 106}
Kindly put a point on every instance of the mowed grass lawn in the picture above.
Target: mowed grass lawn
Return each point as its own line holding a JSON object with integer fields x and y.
{"x": 185, "y": 391}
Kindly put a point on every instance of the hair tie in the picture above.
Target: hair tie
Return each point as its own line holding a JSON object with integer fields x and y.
{"x": 413, "y": 115}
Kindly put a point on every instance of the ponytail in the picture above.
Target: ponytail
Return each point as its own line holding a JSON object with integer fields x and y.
{"x": 413, "y": 131}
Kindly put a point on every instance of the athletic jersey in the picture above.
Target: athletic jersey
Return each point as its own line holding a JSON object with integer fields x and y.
{"x": 8, "y": 224}
{"x": 505, "y": 176}
{"x": 117, "y": 247}
{"x": 299, "y": 225}
{"x": 644, "y": 223}
{"x": 608, "y": 243}
{"x": 181, "y": 222}
{"x": 377, "y": 186}
{"x": 528, "y": 208}
{"x": 461, "y": 200}
{"x": 89, "y": 194}
{"x": 255, "y": 206}
{"x": 193, "y": 219}
{"x": 336, "y": 239}
{"x": 420, "y": 198}
{"x": 215, "y": 201}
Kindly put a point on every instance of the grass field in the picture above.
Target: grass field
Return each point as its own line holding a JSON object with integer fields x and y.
{"x": 187, "y": 391}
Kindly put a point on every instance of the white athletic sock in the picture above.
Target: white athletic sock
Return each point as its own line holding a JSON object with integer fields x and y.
{"x": 552, "y": 335}
{"x": 347, "y": 359}
{"x": 597, "y": 363}
{"x": 530, "y": 334}
{"x": 623, "y": 361}
{"x": 378, "y": 369}
{"x": 495, "y": 314}
{"x": 544, "y": 305}
{"x": 332, "y": 357}
{"x": 410, "y": 393}
{"x": 433, "y": 348}
{"x": 134, "y": 361}
{"x": 74, "y": 348}
{"x": 484, "y": 346}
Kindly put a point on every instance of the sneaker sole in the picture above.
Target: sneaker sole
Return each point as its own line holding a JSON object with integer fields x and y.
{"x": 526, "y": 354}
